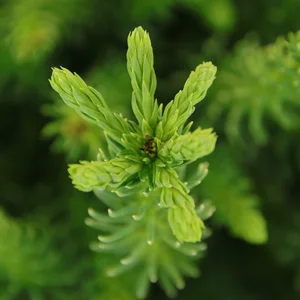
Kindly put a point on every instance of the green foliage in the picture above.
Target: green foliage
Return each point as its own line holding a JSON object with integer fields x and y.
{"x": 253, "y": 186}
{"x": 260, "y": 84}
{"x": 74, "y": 135}
{"x": 114, "y": 173}
{"x": 89, "y": 104}
{"x": 180, "y": 109}
{"x": 29, "y": 263}
{"x": 191, "y": 146}
{"x": 135, "y": 232}
{"x": 135, "y": 165}
{"x": 140, "y": 163}
{"x": 143, "y": 79}
{"x": 236, "y": 205}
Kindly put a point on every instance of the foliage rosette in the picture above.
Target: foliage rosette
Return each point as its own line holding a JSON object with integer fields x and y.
{"x": 144, "y": 155}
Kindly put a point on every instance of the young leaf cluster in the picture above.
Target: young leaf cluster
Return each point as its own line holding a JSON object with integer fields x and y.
{"x": 144, "y": 155}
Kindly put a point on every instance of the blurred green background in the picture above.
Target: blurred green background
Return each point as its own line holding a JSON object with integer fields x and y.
{"x": 254, "y": 106}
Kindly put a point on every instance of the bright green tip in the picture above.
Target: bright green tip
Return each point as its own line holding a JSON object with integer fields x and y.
{"x": 185, "y": 224}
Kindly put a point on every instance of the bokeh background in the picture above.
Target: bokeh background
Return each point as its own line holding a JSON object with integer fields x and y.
{"x": 254, "y": 105}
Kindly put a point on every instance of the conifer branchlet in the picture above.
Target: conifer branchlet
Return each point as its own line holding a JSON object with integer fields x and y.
{"x": 144, "y": 155}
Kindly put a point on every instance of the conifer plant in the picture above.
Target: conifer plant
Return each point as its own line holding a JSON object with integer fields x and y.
{"x": 141, "y": 174}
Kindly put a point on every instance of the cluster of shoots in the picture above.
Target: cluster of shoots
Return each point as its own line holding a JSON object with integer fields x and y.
{"x": 145, "y": 156}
